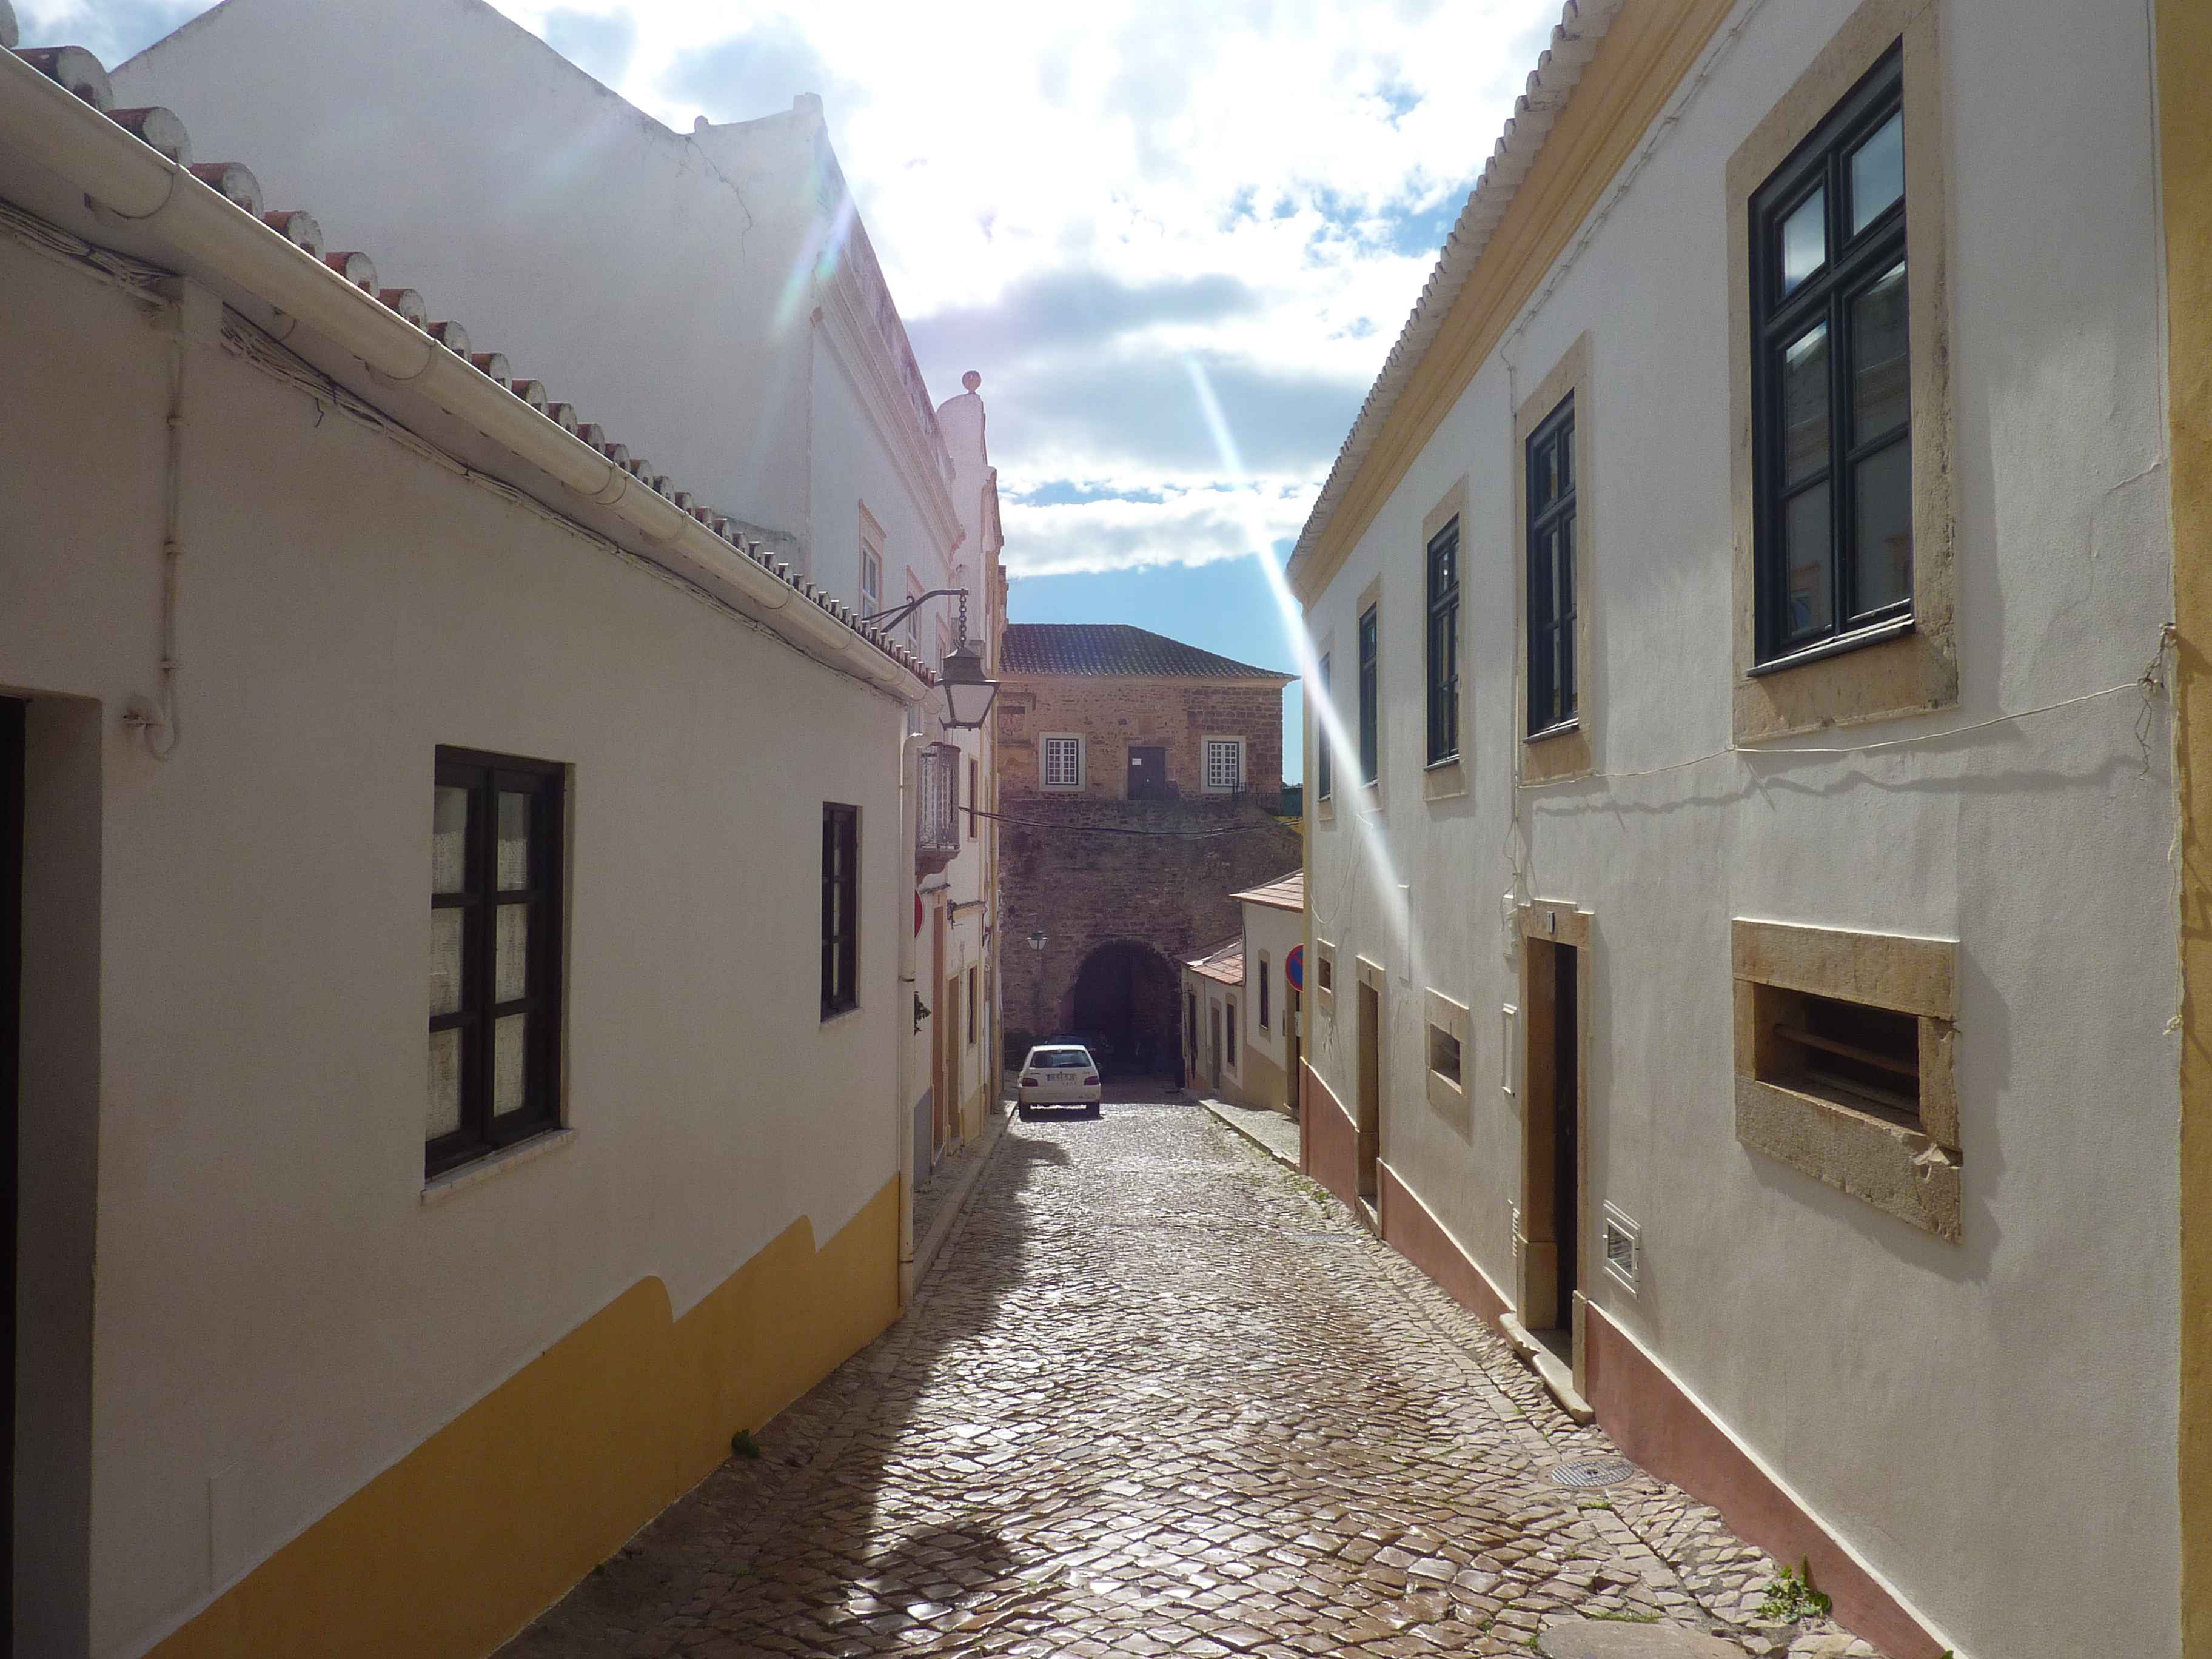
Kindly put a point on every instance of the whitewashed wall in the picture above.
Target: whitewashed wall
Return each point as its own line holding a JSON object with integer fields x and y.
{"x": 1991, "y": 1425}
{"x": 1272, "y": 933}
{"x": 277, "y": 1309}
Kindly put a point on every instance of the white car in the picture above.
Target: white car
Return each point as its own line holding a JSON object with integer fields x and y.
{"x": 1059, "y": 1074}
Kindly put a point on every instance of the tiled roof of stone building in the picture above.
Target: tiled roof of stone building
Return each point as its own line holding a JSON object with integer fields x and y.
{"x": 1116, "y": 648}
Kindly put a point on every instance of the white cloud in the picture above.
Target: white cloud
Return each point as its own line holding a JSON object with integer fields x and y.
{"x": 1074, "y": 200}
{"x": 1185, "y": 526}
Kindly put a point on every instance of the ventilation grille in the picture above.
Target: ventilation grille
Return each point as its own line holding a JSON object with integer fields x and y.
{"x": 1623, "y": 1248}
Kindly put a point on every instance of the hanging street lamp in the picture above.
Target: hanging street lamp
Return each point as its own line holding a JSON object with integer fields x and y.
{"x": 967, "y": 694}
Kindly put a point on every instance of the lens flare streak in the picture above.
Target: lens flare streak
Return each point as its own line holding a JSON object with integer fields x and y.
{"x": 1392, "y": 896}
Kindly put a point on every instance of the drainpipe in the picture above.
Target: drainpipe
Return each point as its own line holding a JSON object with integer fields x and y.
{"x": 905, "y": 999}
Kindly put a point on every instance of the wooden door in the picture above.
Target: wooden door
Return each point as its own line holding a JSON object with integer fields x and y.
{"x": 949, "y": 1119}
{"x": 1148, "y": 773}
{"x": 1369, "y": 1156}
{"x": 12, "y": 713}
{"x": 941, "y": 1031}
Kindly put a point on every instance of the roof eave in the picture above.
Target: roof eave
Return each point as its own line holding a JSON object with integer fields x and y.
{"x": 1582, "y": 24}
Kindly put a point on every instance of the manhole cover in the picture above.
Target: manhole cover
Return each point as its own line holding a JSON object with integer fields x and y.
{"x": 1592, "y": 1471}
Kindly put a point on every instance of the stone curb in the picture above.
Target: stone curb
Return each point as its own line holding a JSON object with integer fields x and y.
{"x": 1224, "y": 1114}
{"x": 940, "y": 1227}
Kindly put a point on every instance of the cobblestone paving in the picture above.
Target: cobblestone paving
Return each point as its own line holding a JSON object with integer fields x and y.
{"x": 1161, "y": 1396}
{"x": 1277, "y": 1135}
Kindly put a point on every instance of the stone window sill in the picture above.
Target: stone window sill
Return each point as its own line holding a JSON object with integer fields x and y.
{"x": 1837, "y": 647}
{"x": 1557, "y": 752}
{"x": 439, "y": 1188}
{"x": 1899, "y": 1171}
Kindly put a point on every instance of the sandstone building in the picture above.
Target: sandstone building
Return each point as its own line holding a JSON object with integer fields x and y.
{"x": 1139, "y": 781}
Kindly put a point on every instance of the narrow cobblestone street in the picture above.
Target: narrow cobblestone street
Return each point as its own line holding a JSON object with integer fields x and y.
{"x": 1160, "y": 1395}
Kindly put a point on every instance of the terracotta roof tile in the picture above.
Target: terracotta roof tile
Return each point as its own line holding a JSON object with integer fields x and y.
{"x": 1116, "y": 649}
{"x": 1224, "y": 962}
{"x": 1284, "y": 893}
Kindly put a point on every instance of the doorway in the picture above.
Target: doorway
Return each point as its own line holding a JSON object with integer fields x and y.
{"x": 11, "y": 981}
{"x": 948, "y": 1117}
{"x": 1370, "y": 1089}
{"x": 1122, "y": 1007}
{"x": 1148, "y": 773}
{"x": 940, "y": 1035}
{"x": 1552, "y": 1209}
{"x": 1293, "y": 1036}
{"x": 1214, "y": 1048}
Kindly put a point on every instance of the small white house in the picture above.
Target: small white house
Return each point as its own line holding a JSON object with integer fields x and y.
{"x": 1241, "y": 1002}
{"x": 464, "y": 887}
{"x": 717, "y": 304}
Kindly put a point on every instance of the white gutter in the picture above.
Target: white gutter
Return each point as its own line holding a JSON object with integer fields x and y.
{"x": 133, "y": 181}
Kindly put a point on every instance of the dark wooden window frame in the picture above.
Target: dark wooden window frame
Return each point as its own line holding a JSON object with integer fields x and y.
{"x": 1856, "y": 262}
{"x": 1551, "y": 484}
{"x": 971, "y": 1007}
{"x": 841, "y": 908}
{"x": 486, "y": 777}
{"x": 1443, "y": 644}
{"x": 1370, "y": 692}
{"x": 1265, "y": 1009}
{"x": 1321, "y": 749}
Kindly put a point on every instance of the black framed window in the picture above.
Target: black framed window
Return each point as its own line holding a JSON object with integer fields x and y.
{"x": 1264, "y": 999}
{"x": 1551, "y": 498}
{"x": 495, "y": 883}
{"x": 1370, "y": 757}
{"x": 1322, "y": 754}
{"x": 841, "y": 908}
{"x": 1832, "y": 396}
{"x": 971, "y": 1007}
{"x": 1443, "y": 644}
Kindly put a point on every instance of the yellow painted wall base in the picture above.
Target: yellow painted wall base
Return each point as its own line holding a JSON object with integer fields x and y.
{"x": 462, "y": 1543}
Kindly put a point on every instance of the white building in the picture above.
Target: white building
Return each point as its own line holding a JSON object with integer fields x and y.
{"x": 1241, "y": 1002}
{"x": 713, "y": 299}
{"x": 1742, "y": 906}
{"x": 327, "y": 654}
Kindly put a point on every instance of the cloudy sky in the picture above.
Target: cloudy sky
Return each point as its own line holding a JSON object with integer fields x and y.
{"x": 1097, "y": 206}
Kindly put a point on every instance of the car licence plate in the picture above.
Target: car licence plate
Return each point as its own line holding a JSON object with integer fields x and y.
{"x": 1063, "y": 1077}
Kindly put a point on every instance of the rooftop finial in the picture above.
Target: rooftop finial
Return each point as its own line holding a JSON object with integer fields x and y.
{"x": 971, "y": 380}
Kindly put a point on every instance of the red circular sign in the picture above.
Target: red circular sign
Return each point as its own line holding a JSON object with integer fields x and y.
{"x": 1294, "y": 967}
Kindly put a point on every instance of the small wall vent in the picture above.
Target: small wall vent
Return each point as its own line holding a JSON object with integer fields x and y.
{"x": 1623, "y": 1248}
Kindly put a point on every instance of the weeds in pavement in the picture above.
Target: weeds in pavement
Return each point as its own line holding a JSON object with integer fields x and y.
{"x": 1791, "y": 1598}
